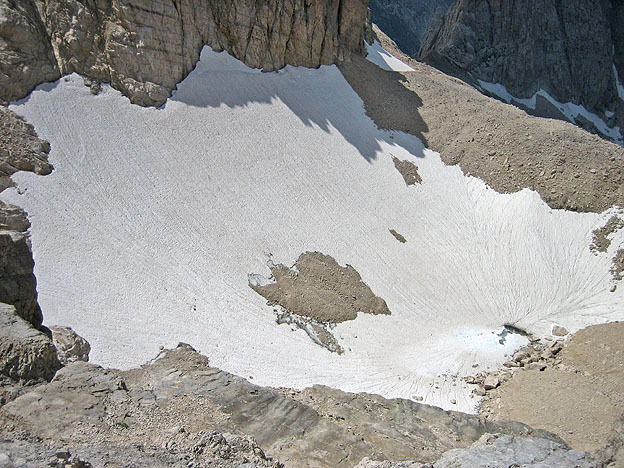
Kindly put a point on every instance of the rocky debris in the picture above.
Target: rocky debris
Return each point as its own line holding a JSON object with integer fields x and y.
{"x": 213, "y": 450}
{"x": 368, "y": 463}
{"x": 537, "y": 355}
{"x": 319, "y": 288}
{"x": 495, "y": 142}
{"x": 398, "y": 236}
{"x": 617, "y": 270}
{"x": 408, "y": 170}
{"x": 20, "y": 148}
{"x": 512, "y": 451}
{"x": 406, "y": 21}
{"x": 318, "y": 332}
{"x": 179, "y": 407}
{"x": 601, "y": 241}
{"x": 612, "y": 454}
{"x": 398, "y": 429}
{"x": 565, "y": 48}
{"x": 578, "y": 393}
{"x": 491, "y": 382}
{"x": 558, "y": 330}
{"x": 70, "y": 346}
{"x": 26, "y": 354}
{"x": 144, "y": 48}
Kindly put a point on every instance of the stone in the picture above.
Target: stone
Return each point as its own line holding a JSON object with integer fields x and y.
{"x": 491, "y": 382}
{"x": 144, "y": 48}
{"x": 26, "y": 354}
{"x": 509, "y": 451}
{"x": 17, "y": 280}
{"x": 558, "y": 330}
{"x": 70, "y": 346}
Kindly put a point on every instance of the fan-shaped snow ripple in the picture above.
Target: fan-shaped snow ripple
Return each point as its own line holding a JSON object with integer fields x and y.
{"x": 146, "y": 231}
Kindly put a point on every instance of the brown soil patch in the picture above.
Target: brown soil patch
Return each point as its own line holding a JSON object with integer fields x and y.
{"x": 601, "y": 240}
{"x": 580, "y": 398}
{"x": 499, "y": 143}
{"x": 398, "y": 236}
{"x": 408, "y": 170}
{"x": 319, "y": 288}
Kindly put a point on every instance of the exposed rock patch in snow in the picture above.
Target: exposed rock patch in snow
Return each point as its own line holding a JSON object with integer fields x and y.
{"x": 408, "y": 170}
{"x": 146, "y": 231}
{"x": 398, "y": 236}
{"x": 320, "y": 289}
{"x": 601, "y": 240}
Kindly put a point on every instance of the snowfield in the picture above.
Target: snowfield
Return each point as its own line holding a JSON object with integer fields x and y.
{"x": 145, "y": 232}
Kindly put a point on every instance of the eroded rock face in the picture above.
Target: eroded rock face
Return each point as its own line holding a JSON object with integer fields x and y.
{"x": 180, "y": 403}
{"x": 565, "y": 48}
{"x": 406, "y": 21}
{"x": 20, "y": 149}
{"x": 17, "y": 280}
{"x": 144, "y": 48}
{"x": 507, "y": 450}
{"x": 26, "y": 354}
{"x": 26, "y": 57}
{"x": 71, "y": 347}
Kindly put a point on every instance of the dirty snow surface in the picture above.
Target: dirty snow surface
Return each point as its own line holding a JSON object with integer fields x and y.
{"x": 145, "y": 233}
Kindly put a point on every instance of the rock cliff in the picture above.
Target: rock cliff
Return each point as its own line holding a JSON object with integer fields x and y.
{"x": 144, "y": 48}
{"x": 568, "y": 49}
{"x": 406, "y": 21}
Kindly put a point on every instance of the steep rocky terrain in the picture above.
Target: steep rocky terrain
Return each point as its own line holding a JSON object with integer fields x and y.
{"x": 568, "y": 49}
{"x": 406, "y": 21}
{"x": 500, "y": 144}
{"x": 144, "y": 48}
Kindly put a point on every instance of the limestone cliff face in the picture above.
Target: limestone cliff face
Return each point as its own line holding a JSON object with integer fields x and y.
{"x": 566, "y": 48}
{"x": 145, "y": 47}
{"x": 406, "y": 21}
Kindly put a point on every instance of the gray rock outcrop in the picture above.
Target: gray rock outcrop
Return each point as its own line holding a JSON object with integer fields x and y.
{"x": 498, "y": 450}
{"x": 71, "y": 346}
{"x": 26, "y": 354}
{"x": 17, "y": 280}
{"x": 144, "y": 48}
{"x": 568, "y": 49}
{"x": 406, "y": 21}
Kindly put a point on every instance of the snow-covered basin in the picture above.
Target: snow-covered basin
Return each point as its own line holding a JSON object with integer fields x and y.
{"x": 145, "y": 233}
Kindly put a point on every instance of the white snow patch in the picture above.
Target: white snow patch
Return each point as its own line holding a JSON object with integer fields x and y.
{"x": 383, "y": 59}
{"x": 570, "y": 110}
{"x": 146, "y": 231}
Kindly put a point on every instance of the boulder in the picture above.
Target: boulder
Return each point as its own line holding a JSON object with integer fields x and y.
{"x": 509, "y": 450}
{"x": 26, "y": 354}
{"x": 70, "y": 346}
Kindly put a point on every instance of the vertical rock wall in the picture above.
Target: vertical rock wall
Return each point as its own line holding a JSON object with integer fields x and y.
{"x": 145, "y": 47}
